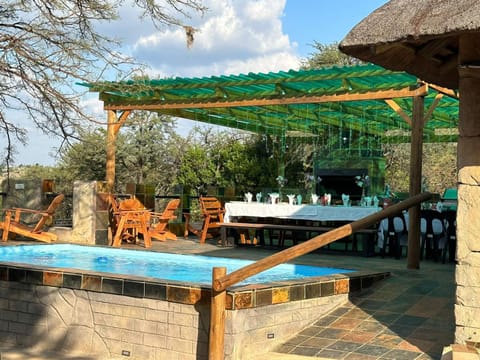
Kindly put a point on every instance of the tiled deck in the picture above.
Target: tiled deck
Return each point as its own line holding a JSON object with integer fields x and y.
{"x": 406, "y": 316}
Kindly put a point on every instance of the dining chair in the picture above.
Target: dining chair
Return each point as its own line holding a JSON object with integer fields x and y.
{"x": 451, "y": 229}
{"x": 435, "y": 239}
{"x": 395, "y": 235}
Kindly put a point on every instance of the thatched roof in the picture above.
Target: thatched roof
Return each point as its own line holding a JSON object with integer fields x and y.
{"x": 417, "y": 36}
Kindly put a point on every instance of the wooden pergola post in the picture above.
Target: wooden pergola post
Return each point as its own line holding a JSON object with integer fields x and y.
{"x": 413, "y": 257}
{"x": 113, "y": 127}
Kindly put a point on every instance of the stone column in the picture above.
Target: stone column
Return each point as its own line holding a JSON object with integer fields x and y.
{"x": 467, "y": 307}
{"x": 90, "y": 213}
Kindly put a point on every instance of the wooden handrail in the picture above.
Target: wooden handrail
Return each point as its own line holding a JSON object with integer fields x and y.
{"x": 222, "y": 283}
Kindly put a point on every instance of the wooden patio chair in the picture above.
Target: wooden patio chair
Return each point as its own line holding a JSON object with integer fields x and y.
{"x": 15, "y": 222}
{"x": 159, "y": 222}
{"x": 212, "y": 212}
{"x": 131, "y": 219}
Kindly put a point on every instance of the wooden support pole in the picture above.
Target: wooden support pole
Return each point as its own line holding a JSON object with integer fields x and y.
{"x": 217, "y": 318}
{"x": 113, "y": 127}
{"x": 111, "y": 148}
{"x": 413, "y": 256}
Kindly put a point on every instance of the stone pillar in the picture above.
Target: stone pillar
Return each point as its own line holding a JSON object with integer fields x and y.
{"x": 467, "y": 307}
{"x": 90, "y": 213}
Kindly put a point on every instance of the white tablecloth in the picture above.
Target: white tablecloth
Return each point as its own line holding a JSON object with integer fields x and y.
{"x": 301, "y": 212}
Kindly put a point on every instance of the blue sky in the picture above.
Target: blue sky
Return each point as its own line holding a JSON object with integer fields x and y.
{"x": 234, "y": 36}
{"x": 325, "y": 21}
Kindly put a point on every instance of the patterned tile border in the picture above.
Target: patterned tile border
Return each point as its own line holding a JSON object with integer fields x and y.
{"x": 240, "y": 297}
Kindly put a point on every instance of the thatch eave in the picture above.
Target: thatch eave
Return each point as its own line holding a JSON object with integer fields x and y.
{"x": 420, "y": 37}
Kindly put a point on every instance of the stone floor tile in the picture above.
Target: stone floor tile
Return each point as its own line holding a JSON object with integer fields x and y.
{"x": 326, "y": 320}
{"x": 373, "y": 350}
{"x": 332, "y": 354}
{"x": 371, "y": 326}
{"x": 304, "y": 350}
{"x": 401, "y": 355}
{"x": 311, "y": 331}
{"x": 415, "y": 345}
{"x": 296, "y": 340}
{"x": 317, "y": 342}
{"x": 345, "y": 323}
{"x": 347, "y": 346}
{"x": 332, "y": 333}
{"x": 359, "y": 336}
{"x": 355, "y": 356}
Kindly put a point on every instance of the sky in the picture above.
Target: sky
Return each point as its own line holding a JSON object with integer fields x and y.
{"x": 232, "y": 37}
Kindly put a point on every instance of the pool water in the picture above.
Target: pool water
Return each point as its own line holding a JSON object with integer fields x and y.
{"x": 174, "y": 267}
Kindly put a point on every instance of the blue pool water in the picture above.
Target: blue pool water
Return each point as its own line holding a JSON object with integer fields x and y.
{"x": 186, "y": 268}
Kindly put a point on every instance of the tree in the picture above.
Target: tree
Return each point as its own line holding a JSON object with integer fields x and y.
{"x": 47, "y": 46}
{"x": 327, "y": 55}
{"x": 145, "y": 153}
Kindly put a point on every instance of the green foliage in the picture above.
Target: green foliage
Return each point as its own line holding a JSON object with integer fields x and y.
{"x": 327, "y": 55}
{"x": 438, "y": 168}
{"x": 85, "y": 159}
{"x": 197, "y": 171}
{"x": 143, "y": 153}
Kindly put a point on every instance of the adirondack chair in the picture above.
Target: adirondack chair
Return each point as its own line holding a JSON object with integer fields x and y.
{"x": 14, "y": 222}
{"x": 159, "y": 222}
{"x": 212, "y": 212}
{"x": 131, "y": 218}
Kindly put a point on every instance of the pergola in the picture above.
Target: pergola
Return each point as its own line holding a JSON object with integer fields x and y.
{"x": 365, "y": 98}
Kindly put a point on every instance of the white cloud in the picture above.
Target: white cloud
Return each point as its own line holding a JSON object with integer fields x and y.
{"x": 232, "y": 37}
{"x": 93, "y": 107}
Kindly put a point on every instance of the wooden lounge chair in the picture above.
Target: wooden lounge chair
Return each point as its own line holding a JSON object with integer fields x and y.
{"x": 159, "y": 222}
{"x": 212, "y": 212}
{"x": 14, "y": 222}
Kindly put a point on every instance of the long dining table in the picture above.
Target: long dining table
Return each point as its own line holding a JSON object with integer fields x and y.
{"x": 238, "y": 209}
{"x": 255, "y": 212}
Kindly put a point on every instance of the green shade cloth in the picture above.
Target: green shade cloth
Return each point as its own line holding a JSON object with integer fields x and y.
{"x": 241, "y": 102}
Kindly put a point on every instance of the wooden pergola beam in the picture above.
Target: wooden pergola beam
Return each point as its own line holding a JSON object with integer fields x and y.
{"x": 422, "y": 90}
{"x": 395, "y": 107}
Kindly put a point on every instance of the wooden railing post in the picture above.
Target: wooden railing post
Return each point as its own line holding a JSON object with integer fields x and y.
{"x": 217, "y": 318}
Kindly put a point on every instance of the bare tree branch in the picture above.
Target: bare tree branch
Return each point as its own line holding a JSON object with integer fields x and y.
{"x": 47, "y": 46}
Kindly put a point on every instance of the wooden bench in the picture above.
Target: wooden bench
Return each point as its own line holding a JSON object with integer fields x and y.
{"x": 259, "y": 228}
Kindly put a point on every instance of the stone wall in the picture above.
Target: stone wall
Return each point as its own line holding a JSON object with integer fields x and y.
{"x": 262, "y": 329}
{"x": 48, "y": 318}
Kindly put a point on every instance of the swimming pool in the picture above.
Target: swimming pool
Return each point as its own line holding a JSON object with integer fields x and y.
{"x": 163, "y": 266}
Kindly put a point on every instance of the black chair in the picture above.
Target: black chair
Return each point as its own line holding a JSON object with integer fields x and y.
{"x": 434, "y": 240}
{"x": 395, "y": 235}
{"x": 450, "y": 217}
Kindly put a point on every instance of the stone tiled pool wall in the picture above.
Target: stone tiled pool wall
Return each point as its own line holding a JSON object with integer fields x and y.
{"x": 139, "y": 318}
